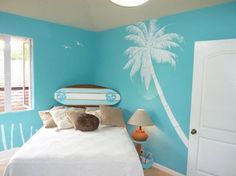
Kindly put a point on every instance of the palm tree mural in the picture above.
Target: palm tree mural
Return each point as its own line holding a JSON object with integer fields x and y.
{"x": 153, "y": 44}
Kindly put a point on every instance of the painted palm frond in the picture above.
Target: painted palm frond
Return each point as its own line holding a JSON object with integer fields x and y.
{"x": 165, "y": 44}
{"x": 160, "y": 32}
{"x": 170, "y": 37}
{"x": 143, "y": 27}
{"x": 153, "y": 44}
{"x": 134, "y": 53}
{"x": 136, "y": 39}
{"x": 132, "y": 29}
{"x": 163, "y": 56}
{"x": 152, "y": 27}
{"x": 135, "y": 67}
{"x": 135, "y": 59}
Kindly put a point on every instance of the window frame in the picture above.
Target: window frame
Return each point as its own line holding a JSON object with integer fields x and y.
{"x": 7, "y": 79}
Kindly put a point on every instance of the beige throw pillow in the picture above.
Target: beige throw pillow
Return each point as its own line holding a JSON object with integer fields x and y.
{"x": 47, "y": 119}
{"x": 61, "y": 119}
{"x": 73, "y": 116}
{"x": 111, "y": 116}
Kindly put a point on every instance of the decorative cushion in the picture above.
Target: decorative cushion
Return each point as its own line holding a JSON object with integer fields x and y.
{"x": 61, "y": 119}
{"x": 57, "y": 107}
{"x": 47, "y": 119}
{"x": 73, "y": 116}
{"x": 87, "y": 122}
{"x": 92, "y": 109}
{"x": 111, "y": 116}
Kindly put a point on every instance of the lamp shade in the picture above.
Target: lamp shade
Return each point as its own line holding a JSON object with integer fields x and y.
{"x": 140, "y": 118}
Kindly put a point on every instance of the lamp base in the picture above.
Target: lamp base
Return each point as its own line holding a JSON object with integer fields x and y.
{"x": 139, "y": 135}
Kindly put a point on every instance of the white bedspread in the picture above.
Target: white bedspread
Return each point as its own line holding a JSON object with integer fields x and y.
{"x": 107, "y": 151}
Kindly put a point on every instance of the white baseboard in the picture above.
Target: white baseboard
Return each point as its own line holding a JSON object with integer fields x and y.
{"x": 7, "y": 154}
{"x": 167, "y": 170}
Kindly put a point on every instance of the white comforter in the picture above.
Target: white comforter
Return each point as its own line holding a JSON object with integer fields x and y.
{"x": 107, "y": 151}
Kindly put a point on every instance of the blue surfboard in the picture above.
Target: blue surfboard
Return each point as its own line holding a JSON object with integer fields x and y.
{"x": 87, "y": 96}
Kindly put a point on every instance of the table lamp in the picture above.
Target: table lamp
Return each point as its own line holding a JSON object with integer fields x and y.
{"x": 140, "y": 118}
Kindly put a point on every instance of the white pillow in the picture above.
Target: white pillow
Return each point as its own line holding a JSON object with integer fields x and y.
{"x": 57, "y": 107}
{"x": 92, "y": 108}
{"x": 60, "y": 118}
{"x": 74, "y": 108}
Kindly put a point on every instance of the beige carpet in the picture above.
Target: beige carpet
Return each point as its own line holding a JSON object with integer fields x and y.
{"x": 155, "y": 172}
{"x": 2, "y": 168}
{"x": 149, "y": 172}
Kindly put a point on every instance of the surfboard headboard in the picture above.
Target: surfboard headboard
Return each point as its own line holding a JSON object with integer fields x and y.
{"x": 87, "y": 95}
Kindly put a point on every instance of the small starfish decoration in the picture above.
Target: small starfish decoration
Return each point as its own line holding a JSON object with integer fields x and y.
{"x": 110, "y": 97}
{"x": 61, "y": 96}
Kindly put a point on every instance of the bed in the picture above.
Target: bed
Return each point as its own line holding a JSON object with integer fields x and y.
{"x": 107, "y": 151}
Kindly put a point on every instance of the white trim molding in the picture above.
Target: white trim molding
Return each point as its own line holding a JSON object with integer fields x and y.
{"x": 7, "y": 74}
{"x": 167, "y": 170}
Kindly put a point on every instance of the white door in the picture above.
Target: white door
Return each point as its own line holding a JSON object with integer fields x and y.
{"x": 212, "y": 138}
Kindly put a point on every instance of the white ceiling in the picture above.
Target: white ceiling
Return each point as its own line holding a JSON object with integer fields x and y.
{"x": 98, "y": 15}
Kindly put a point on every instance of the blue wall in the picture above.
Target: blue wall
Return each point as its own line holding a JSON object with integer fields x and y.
{"x": 101, "y": 61}
{"x": 53, "y": 66}
{"x": 217, "y": 22}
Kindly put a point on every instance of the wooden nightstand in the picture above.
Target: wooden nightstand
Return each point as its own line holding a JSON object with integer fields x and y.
{"x": 139, "y": 146}
{"x": 145, "y": 157}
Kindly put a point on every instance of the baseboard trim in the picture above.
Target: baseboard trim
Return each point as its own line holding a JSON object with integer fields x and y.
{"x": 167, "y": 170}
{"x": 7, "y": 154}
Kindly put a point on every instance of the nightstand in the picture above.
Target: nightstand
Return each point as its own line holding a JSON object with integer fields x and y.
{"x": 139, "y": 146}
{"x": 145, "y": 157}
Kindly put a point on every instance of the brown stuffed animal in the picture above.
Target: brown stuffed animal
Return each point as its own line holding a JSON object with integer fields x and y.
{"x": 87, "y": 122}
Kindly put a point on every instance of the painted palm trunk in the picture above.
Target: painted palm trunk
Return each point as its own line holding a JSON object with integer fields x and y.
{"x": 153, "y": 44}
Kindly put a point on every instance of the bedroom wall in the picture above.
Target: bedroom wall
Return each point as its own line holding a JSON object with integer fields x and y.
{"x": 100, "y": 59}
{"x": 54, "y": 66}
{"x": 213, "y": 23}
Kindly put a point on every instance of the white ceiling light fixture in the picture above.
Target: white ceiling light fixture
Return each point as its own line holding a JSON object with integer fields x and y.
{"x": 129, "y": 3}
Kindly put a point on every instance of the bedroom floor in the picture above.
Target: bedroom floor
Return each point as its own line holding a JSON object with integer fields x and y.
{"x": 2, "y": 167}
{"x": 149, "y": 172}
{"x": 155, "y": 172}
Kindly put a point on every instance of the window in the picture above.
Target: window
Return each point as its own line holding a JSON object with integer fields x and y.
{"x": 15, "y": 73}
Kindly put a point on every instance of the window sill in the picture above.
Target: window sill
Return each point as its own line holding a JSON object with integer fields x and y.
{"x": 13, "y": 112}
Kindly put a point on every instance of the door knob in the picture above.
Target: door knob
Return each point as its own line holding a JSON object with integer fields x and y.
{"x": 193, "y": 131}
